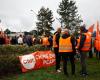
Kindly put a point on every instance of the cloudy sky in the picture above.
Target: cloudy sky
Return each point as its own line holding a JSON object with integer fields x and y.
{"x": 16, "y": 15}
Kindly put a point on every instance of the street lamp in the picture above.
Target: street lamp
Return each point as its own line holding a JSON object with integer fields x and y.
{"x": 36, "y": 16}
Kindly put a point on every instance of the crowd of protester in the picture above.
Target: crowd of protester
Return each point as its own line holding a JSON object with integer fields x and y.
{"x": 28, "y": 40}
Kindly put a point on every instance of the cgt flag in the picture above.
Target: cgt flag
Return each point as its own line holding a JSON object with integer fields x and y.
{"x": 91, "y": 28}
{"x": 37, "y": 60}
{"x": 97, "y": 39}
{"x": 97, "y": 31}
{"x": 28, "y": 62}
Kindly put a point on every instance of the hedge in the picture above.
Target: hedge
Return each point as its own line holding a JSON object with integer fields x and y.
{"x": 9, "y": 62}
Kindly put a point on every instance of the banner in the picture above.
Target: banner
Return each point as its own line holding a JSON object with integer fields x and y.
{"x": 37, "y": 60}
{"x": 48, "y": 58}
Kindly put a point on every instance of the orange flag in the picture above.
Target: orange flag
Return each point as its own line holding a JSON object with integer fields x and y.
{"x": 91, "y": 28}
{"x": 97, "y": 32}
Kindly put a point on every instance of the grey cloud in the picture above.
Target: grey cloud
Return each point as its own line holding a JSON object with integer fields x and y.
{"x": 18, "y": 12}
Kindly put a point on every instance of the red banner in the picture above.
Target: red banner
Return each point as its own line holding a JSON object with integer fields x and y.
{"x": 37, "y": 60}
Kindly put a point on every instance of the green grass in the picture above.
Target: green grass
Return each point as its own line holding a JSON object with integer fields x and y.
{"x": 93, "y": 66}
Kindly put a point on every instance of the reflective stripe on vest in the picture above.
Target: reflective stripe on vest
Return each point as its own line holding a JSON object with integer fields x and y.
{"x": 87, "y": 43}
{"x": 54, "y": 41}
{"x": 65, "y": 45}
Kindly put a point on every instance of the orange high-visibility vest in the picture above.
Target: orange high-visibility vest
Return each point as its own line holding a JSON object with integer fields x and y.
{"x": 87, "y": 43}
{"x": 65, "y": 45}
{"x": 45, "y": 41}
{"x": 97, "y": 44}
{"x": 54, "y": 41}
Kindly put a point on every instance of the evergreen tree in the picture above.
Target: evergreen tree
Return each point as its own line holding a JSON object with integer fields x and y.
{"x": 33, "y": 32}
{"x": 68, "y": 12}
{"x": 45, "y": 19}
{"x": 7, "y": 31}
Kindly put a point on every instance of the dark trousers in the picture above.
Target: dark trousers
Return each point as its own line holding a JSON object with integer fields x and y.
{"x": 97, "y": 54}
{"x": 65, "y": 57}
{"x": 58, "y": 58}
{"x": 83, "y": 62}
{"x": 90, "y": 54}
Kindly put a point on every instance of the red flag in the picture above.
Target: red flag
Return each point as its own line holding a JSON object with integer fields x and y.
{"x": 91, "y": 28}
{"x": 97, "y": 32}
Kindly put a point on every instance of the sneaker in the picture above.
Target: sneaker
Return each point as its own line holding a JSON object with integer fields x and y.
{"x": 58, "y": 71}
{"x": 60, "y": 68}
{"x": 84, "y": 75}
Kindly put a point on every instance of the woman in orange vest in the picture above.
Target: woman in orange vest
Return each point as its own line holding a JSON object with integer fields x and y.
{"x": 84, "y": 47}
{"x": 67, "y": 50}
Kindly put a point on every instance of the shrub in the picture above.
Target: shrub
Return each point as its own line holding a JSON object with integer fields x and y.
{"x": 9, "y": 62}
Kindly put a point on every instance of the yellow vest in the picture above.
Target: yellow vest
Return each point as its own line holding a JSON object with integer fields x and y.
{"x": 65, "y": 45}
{"x": 45, "y": 41}
{"x": 87, "y": 43}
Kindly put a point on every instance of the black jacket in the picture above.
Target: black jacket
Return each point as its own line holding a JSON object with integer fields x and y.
{"x": 57, "y": 37}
